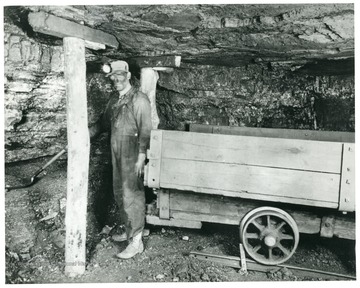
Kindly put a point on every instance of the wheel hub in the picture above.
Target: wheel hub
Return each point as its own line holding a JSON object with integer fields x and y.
{"x": 270, "y": 241}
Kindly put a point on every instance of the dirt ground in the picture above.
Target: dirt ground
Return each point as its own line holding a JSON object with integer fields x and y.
{"x": 39, "y": 255}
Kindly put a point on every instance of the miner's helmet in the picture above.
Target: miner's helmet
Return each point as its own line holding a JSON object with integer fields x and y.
{"x": 116, "y": 66}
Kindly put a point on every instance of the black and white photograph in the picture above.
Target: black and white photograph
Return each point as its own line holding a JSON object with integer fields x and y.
{"x": 167, "y": 143}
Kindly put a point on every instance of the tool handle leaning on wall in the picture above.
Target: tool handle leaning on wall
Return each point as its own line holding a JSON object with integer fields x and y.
{"x": 32, "y": 180}
{"x": 52, "y": 160}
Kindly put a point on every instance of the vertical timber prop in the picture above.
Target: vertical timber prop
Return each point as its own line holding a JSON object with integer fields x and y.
{"x": 78, "y": 156}
{"x": 149, "y": 77}
{"x": 76, "y": 37}
{"x": 148, "y": 81}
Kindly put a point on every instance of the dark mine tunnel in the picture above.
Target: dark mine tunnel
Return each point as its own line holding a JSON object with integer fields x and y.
{"x": 252, "y": 131}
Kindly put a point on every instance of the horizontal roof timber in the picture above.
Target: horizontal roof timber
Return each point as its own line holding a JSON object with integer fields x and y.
{"x": 59, "y": 27}
{"x": 158, "y": 61}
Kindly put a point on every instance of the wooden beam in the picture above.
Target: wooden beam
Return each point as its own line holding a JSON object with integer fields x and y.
{"x": 59, "y": 27}
{"x": 345, "y": 228}
{"x": 159, "y": 61}
{"x": 185, "y": 206}
{"x": 226, "y": 210}
{"x": 148, "y": 82}
{"x": 164, "y": 69}
{"x": 78, "y": 156}
{"x": 154, "y": 220}
{"x": 314, "y": 135}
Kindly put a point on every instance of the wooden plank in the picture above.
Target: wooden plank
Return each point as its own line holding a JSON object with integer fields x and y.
{"x": 154, "y": 156}
{"x": 249, "y": 181}
{"x": 186, "y": 216}
{"x": 158, "y": 61}
{"x": 345, "y": 228}
{"x": 303, "y": 223}
{"x": 257, "y": 151}
{"x": 225, "y": 210}
{"x": 246, "y": 195}
{"x": 78, "y": 156}
{"x": 164, "y": 204}
{"x": 154, "y": 220}
{"x": 347, "y": 182}
{"x": 331, "y": 136}
{"x": 307, "y": 222}
{"x": 59, "y": 27}
{"x": 242, "y": 259}
{"x": 210, "y": 204}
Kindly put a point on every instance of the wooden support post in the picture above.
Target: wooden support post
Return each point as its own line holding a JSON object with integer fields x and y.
{"x": 76, "y": 37}
{"x": 148, "y": 82}
{"x": 149, "y": 77}
{"x": 52, "y": 25}
{"x": 243, "y": 269}
{"x": 78, "y": 156}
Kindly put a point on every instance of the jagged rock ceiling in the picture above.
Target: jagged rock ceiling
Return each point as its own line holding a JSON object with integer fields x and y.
{"x": 305, "y": 36}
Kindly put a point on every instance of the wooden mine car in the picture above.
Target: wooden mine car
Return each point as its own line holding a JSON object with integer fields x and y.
{"x": 273, "y": 183}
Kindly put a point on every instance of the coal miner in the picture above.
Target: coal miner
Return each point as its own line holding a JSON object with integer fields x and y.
{"x": 128, "y": 118}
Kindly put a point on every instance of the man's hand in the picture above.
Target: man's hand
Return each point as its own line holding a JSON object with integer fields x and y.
{"x": 139, "y": 165}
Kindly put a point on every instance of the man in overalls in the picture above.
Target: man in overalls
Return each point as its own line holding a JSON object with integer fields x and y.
{"x": 128, "y": 117}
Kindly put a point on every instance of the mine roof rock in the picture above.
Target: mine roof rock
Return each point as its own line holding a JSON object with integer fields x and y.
{"x": 239, "y": 33}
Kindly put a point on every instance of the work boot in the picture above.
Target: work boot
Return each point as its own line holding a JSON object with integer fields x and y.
{"x": 135, "y": 246}
{"x": 119, "y": 237}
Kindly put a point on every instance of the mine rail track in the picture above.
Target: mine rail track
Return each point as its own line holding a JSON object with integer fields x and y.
{"x": 236, "y": 262}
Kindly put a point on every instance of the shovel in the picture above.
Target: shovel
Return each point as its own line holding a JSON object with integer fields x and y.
{"x": 33, "y": 178}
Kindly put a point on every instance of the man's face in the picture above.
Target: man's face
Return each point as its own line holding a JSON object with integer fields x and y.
{"x": 120, "y": 80}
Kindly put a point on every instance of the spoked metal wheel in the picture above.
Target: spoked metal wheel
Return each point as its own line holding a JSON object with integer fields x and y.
{"x": 269, "y": 235}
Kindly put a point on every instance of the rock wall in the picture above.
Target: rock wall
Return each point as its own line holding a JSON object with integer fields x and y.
{"x": 35, "y": 97}
{"x": 35, "y": 118}
{"x": 255, "y": 95}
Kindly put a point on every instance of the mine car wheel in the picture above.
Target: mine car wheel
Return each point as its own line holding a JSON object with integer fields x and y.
{"x": 269, "y": 235}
